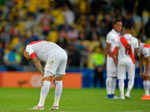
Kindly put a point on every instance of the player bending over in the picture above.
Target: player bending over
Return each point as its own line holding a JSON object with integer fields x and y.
{"x": 55, "y": 59}
{"x": 144, "y": 55}
{"x": 127, "y": 47}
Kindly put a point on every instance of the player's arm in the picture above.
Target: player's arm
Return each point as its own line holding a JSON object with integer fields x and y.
{"x": 147, "y": 61}
{"x": 115, "y": 58}
{"x": 141, "y": 58}
{"x": 38, "y": 65}
{"x": 137, "y": 44}
{"x": 136, "y": 51}
{"x": 108, "y": 45}
{"x": 107, "y": 50}
{"x": 30, "y": 54}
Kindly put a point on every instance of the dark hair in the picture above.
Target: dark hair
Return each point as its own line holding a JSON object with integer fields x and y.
{"x": 127, "y": 26}
{"x": 116, "y": 20}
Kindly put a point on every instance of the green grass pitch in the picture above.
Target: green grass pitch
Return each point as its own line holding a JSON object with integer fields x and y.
{"x": 73, "y": 100}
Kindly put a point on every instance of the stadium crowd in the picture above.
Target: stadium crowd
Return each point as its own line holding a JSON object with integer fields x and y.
{"x": 79, "y": 26}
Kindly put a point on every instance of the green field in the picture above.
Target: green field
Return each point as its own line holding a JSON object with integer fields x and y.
{"x": 73, "y": 100}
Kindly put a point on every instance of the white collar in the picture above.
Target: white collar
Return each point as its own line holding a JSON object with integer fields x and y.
{"x": 115, "y": 31}
{"x": 127, "y": 35}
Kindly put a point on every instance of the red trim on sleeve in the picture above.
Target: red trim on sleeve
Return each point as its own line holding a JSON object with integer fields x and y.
{"x": 35, "y": 42}
{"x": 33, "y": 55}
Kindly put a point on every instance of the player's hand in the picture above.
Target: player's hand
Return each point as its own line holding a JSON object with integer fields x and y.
{"x": 145, "y": 75}
{"x": 115, "y": 61}
{"x": 43, "y": 79}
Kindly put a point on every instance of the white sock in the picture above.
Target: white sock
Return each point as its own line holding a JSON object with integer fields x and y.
{"x": 44, "y": 91}
{"x": 58, "y": 92}
{"x": 130, "y": 86}
{"x": 108, "y": 85}
{"x": 146, "y": 87}
{"x": 113, "y": 87}
{"x": 121, "y": 87}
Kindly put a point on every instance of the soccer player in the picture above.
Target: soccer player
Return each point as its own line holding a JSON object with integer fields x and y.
{"x": 144, "y": 55}
{"x": 112, "y": 42}
{"x": 127, "y": 47}
{"x": 55, "y": 59}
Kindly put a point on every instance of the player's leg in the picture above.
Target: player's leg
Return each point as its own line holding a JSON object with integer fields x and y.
{"x": 43, "y": 94}
{"x": 131, "y": 76}
{"x": 113, "y": 88}
{"x": 146, "y": 84}
{"x": 121, "y": 77}
{"x": 110, "y": 82}
{"x": 58, "y": 92}
{"x": 62, "y": 58}
{"x": 49, "y": 71}
{"x": 108, "y": 87}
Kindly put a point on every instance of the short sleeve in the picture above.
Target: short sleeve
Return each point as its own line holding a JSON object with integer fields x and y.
{"x": 146, "y": 52}
{"x": 108, "y": 38}
{"x": 136, "y": 44}
{"x": 29, "y": 50}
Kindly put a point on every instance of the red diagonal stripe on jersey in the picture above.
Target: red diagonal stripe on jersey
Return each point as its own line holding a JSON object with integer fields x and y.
{"x": 125, "y": 43}
{"x": 114, "y": 52}
{"x": 146, "y": 45}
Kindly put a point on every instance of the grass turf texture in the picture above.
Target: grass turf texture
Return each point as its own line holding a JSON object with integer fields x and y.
{"x": 73, "y": 100}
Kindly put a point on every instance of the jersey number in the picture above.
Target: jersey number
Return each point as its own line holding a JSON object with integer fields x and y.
{"x": 128, "y": 49}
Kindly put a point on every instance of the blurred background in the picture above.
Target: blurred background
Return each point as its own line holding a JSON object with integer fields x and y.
{"x": 79, "y": 26}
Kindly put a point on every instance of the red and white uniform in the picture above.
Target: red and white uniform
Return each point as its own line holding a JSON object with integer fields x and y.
{"x": 113, "y": 39}
{"x": 126, "y": 62}
{"x": 54, "y": 56}
{"x": 145, "y": 51}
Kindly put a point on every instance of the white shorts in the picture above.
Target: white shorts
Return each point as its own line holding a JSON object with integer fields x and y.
{"x": 126, "y": 65}
{"x": 56, "y": 64}
{"x": 111, "y": 68}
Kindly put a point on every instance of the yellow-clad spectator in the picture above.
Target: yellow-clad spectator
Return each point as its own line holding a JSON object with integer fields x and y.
{"x": 97, "y": 60}
{"x": 83, "y": 6}
{"x": 53, "y": 36}
{"x": 21, "y": 26}
{"x": 14, "y": 42}
{"x": 59, "y": 16}
{"x": 33, "y": 5}
{"x": 20, "y": 3}
{"x": 44, "y": 4}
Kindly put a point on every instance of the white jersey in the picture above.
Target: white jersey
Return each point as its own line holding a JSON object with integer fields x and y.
{"x": 132, "y": 41}
{"x": 43, "y": 49}
{"x": 125, "y": 63}
{"x": 144, "y": 49}
{"x": 113, "y": 39}
{"x": 55, "y": 57}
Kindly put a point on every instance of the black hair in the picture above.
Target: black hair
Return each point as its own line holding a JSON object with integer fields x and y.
{"x": 116, "y": 20}
{"x": 127, "y": 26}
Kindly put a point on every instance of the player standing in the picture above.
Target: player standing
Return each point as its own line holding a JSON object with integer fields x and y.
{"x": 128, "y": 47}
{"x": 112, "y": 42}
{"x": 144, "y": 55}
{"x": 55, "y": 59}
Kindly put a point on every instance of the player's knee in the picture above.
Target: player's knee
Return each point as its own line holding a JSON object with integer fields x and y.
{"x": 46, "y": 83}
{"x": 59, "y": 78}
{"x": 59, "y": 82}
